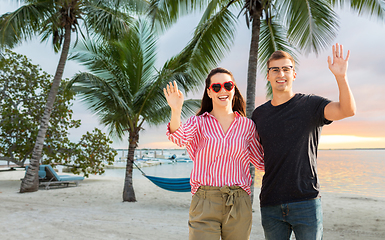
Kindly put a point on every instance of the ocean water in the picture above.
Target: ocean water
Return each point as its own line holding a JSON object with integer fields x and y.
{"x": 358, "y": 172}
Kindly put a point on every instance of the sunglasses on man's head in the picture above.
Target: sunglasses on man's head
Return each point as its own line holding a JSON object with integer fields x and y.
{"x": 216, "y": 87}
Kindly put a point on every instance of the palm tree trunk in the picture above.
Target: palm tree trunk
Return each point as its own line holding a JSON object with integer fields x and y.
{"x": 128, "y": 190}
{"x": 252, "y": 78}
{"x": 253, "y": 64}
{"x": 30, "y": 183}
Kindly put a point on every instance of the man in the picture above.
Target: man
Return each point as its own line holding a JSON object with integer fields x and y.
{"x": 289, "y": 128}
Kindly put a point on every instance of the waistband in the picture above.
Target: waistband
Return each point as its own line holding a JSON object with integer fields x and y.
{"x": 228, "y": 192}
{"x": 213, "y": 188}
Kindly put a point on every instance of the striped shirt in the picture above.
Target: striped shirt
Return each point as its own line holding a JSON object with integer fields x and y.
{"x": 219, "y": 159}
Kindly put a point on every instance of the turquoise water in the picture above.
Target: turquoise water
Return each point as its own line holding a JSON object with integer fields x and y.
{"x": 360, "y": 172}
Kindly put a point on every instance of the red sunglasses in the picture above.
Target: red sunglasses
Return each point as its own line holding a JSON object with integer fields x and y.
{"x": 216, "y": 87}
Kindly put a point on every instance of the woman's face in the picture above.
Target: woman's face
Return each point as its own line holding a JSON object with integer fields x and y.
{"x": 224, "y": 97}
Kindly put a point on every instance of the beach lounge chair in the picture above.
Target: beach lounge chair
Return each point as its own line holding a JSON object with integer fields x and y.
{"x": 42, "y": 173}
{"x": 48, "y": 177}
{"x": 54, "y": 179}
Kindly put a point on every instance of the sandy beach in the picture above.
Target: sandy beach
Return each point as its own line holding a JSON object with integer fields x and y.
{"x": 94, "y": 210}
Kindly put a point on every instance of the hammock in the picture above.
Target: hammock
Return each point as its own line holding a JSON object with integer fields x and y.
{"x": 170, "y": 184}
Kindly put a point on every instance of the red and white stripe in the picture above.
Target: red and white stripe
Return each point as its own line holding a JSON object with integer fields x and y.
{"x": 219, "y": 159}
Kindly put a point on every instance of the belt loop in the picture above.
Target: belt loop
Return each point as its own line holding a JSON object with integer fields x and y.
{"x": 204, "y": 193}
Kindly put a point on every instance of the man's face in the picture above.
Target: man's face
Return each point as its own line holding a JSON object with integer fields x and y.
{"x": 281, "y": 75}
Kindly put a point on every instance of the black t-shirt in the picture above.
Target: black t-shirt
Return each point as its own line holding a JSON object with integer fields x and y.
{"x": 289, "y": 134}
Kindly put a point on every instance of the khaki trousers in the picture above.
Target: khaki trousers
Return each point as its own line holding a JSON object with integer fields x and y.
{"x": 220, "y": 212}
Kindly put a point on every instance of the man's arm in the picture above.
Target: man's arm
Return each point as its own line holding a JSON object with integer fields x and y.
{"x": 346, "y": 107}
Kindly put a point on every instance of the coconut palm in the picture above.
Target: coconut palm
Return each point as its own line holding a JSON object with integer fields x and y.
{"x": 290, "y": 25}
{"x": 125, "y": 90}
{"x": 56, "y": 20}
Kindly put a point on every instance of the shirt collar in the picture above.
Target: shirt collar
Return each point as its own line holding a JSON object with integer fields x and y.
{"x": 207, "y": 114}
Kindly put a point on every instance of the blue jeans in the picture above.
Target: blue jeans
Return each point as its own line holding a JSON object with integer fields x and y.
{"x": 304, "y": 218}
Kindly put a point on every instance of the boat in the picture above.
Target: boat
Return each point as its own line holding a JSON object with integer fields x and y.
{"x": 182, "y": 159}
{"x": 155, "y": 161}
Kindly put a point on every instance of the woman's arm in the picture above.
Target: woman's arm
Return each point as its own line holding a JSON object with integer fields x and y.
{"x": 256, "y": 150}
{"x": 175, "y": 100}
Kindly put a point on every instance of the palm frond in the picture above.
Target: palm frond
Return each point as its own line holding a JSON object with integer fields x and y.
{"x": 102, "y": 58}
{"x": 250, "y": 7}
{"x": 151, "y": 96}
{"x": 273, "y": 38}
{"x": 22, "y": 24}
{"x": 190, "y": 67}
{"x": 190, "y": 107}
{"x": 51, "y": 28}
{"x": 116, "y": 121}
{"x": 164, "y": 13}
{"x": 96, "y": 91}
{"x": 138, "y": 55}
{"x": 159, "y": 112}
{"x": 311, "y": 24}
{"x": 129, "y": 6}
{"x": 362, "y": 7}
{"x": 123, "y": 70}
{"x": 102, "y": 99}
{"x": 211, "y": 41}
{"x": 212, "y": 7}
{"x": 134, "y": 56}
{"x": 109, "y": 23}
{"x": 152, "y": 99}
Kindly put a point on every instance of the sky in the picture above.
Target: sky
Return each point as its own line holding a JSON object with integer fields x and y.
{"x": 362, "y": 35}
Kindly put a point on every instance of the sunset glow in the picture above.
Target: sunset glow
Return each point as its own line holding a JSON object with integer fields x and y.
{"x": 326, "y": 142}
{"x": 350, "y": 141}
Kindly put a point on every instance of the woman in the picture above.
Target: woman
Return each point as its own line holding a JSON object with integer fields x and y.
{"x": 222, "y": 143}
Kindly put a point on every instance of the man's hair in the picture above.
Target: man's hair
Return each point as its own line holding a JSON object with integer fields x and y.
{"x": 277, "y": 55}
{"x": 239, "y": 104}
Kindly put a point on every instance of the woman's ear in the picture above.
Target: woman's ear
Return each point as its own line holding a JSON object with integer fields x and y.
{"x": 208, "y": 92}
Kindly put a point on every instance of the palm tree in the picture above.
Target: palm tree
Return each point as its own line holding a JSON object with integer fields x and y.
{"x": 290, "y": 25}
{"x": 125, "y": 90}
{"x": 57, "y": 19}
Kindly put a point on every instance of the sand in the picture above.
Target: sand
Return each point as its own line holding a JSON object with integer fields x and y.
{"x": 94, "y": 210}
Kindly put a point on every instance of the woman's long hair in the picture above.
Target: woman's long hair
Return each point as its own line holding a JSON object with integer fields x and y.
{"x": 207, "y": 103}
